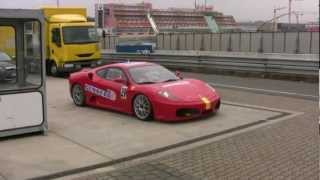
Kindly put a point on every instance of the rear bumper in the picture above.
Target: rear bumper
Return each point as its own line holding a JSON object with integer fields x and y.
{"x": 170, "y": 112}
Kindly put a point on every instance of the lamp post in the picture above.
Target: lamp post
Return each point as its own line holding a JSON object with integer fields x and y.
{"x": 275, "y": 10}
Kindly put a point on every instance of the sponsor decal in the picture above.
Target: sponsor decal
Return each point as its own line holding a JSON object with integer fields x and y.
{"x": 107, "y": 94}
{"x": 123, "y": 92}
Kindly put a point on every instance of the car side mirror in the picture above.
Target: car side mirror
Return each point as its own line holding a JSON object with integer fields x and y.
{"x": 121, "y": 81}
{"x": 90, "y": 75}
{"x": 178, "y": 74}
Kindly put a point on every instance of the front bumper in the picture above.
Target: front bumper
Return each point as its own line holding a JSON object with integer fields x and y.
{"x": 74, "y": 66}
{"x": 172, "y": 112}
{"x": 8, "y": 75}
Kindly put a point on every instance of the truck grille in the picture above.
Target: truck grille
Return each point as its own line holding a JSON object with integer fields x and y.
{"x": 85, "y": 55}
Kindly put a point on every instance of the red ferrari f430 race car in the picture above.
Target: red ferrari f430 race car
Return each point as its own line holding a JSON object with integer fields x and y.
{"x": 146, "y": 90}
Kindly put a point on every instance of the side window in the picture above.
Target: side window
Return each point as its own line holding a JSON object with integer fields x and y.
{"x": 114, "y": 73}
{"x": 102, "y": 73}
{"x": 20, "y": 57}
{"x": 111, "y": 74}
{"x": 56, "y": 38}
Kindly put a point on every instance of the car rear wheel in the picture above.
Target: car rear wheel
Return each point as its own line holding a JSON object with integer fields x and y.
{"x": 142, "y": 108}
{"x": 78, "y": 95}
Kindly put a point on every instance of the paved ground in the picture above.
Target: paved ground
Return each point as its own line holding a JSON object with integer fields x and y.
{"x": 294, "y": 87}
{"x": 80, "y": 137}
{"x": 99, "y": 136}
{"x": 285, "y": 150}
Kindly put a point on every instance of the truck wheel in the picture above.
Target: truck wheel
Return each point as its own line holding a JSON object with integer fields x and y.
{"x": 54, "y": 69}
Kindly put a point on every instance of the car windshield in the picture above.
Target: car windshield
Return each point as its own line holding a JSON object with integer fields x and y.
{"x": 151, "y": 74}
{"x": 79, "y": 35}
{"x": 4, "y": 57}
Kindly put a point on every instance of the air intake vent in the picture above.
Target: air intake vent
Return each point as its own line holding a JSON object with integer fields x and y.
{"x": 85, "y": 55}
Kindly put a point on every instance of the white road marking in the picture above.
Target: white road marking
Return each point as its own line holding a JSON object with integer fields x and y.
{"x": 270, "y": 92}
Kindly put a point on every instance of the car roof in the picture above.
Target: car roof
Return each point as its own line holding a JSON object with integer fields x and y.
{"x": 127, "y": 65}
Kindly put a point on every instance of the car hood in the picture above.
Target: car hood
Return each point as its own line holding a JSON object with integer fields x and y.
{"x": 6, "y": 64}
{"x": 188, "y": 90}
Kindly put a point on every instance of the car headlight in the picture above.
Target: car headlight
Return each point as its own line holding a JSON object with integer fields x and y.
{"x": 167, "y": 95}
{"x": 210, "y": 87}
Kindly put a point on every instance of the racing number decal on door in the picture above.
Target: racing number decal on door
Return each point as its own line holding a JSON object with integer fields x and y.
{"x": 108, "y": 94}
{"x": 123, "y": 92}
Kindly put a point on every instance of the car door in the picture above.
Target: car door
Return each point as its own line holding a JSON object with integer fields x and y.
{"x": 113, "y": 93}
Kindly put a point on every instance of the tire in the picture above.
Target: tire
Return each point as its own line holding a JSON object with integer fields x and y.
{"x": 142, "y": 108}
{"x": 48, "y": 63}
{"x": 78, "y": 95}
{"x": 53, "y": 70}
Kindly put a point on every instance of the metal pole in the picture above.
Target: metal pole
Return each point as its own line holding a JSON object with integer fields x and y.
{"x": 250, "y": 42}
{"x": 194, "y": 41}
{"x": 170, "y": 37}
{"x": 178, "y": 42}
{"x": 272, "y": 42}
{"x": 186, "y": 41}
{"x": 163, "y": 43}
{"x": 298, "y": 43}
{"x": 240, "y": 46}
{"x": 285, "y": 42}
{"x": 261, "y": 49}
{"x": 310, "y": 45}
{"x": 220, "y": 43}
{"x": 157, "y": 41}
{"x": 290, "y": 8}
{"x": 202, "y": 48}
{"x": 230, "y": 43}
{"x": 211, "y": 43}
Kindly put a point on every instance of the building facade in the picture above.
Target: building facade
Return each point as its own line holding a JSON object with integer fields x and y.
{"x": 143, "y": 19}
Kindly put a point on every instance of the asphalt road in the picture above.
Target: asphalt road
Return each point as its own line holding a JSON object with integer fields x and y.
{"x": 267, "y": 85}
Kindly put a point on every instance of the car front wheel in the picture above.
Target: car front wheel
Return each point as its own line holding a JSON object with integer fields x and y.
{"x": 142, "y": 108}
{"x": 78, "y": 96}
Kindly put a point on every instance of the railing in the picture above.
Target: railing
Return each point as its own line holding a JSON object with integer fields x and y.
{"x": 304, "y": 67}
{"x": 278, "y": 42}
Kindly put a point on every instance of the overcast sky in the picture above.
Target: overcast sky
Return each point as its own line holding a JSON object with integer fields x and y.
{"x": 242, "y": 10}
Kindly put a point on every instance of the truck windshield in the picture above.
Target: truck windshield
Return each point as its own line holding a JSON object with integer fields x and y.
{"x": 79, "y": 35}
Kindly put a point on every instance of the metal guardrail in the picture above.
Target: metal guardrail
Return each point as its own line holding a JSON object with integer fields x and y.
{"x": 299, "y": 67}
